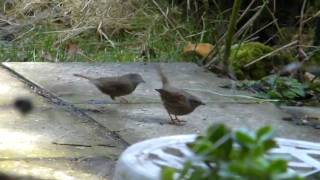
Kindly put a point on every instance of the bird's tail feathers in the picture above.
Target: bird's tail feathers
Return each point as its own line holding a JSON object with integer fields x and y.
{"x": 163, "y": 77}
{"x": 83, "y": 76}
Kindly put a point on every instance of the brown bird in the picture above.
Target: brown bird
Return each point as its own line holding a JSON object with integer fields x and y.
{"x": 176, "y": 101}
{"x": 116, "y": 86}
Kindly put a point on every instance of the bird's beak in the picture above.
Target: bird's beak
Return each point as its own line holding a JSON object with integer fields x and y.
{"x": 159, "y": 90}
{"x": 202, "y": 103}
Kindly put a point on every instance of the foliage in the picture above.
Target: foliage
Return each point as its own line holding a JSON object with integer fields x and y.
{"x": 314, "y": 86}
{"x": 275, "y": 87}
{"x": 314, "y": 57}
{"x": 241, "y": 155}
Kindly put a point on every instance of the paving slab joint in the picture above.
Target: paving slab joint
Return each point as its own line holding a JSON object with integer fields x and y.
{"x": 51, "y": 98}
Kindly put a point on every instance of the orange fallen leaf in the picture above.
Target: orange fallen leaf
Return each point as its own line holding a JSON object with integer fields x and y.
{"x": 201, "y": 49}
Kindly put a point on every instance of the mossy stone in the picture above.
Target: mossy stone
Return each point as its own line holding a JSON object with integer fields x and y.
{"x": 248, "y": 52}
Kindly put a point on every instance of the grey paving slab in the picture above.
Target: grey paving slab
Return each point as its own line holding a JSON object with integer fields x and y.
{"x": 61, "y": 168}
{"x": 33, "y": 144}
{"x": 145, "y": 117}
{"x": 59, "y": 79}
{"x": 95, "y": 168}
{"x": 138, "y": 122}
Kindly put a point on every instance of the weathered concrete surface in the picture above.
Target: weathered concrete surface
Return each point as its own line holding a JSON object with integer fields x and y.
{"x": 145, "y": 117}
{"x": 27, "y": 143}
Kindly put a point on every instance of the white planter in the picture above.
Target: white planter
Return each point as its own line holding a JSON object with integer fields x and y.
{"x": 143, "y": 160}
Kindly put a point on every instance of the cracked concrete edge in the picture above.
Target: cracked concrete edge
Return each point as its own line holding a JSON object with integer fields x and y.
{"x": 54, "y": 99}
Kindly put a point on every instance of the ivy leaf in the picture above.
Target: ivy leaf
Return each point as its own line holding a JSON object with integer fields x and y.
{"x": 274, "y": 94}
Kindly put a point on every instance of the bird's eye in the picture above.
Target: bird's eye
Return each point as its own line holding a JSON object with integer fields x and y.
{"x": 194, "y": 101}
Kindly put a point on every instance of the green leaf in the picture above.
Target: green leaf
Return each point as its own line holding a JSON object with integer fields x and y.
{"x": 220, "y": 151}
{"x": 216, "y": 131}
{"x": 187, "y": 166}
{"x": 287, "y": 176}
{"x": 168, "y": 173}
{"x": 264, "y": 133}
{"x": 270, "y": 80}
{"x": 274, "y": 94}
{"x": 201, "y": 146}
{"x": 278, "y": 166}
{"x": 198, "y": 174}
{"x": 269, "y": 145}
{"x": 289, "y": 95}
{"x": 244, "y": 138}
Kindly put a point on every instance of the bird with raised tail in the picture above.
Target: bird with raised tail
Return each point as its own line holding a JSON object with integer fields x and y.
{"x": 116, "y": 86}
{"x": 176, "y": 101}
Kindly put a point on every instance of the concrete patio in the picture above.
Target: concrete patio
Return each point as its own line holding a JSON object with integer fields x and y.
{"x": 78, "y": 132}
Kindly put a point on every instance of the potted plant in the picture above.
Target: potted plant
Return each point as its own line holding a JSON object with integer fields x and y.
{"x": 239, "y": 155}
{"x": 220, "y": 153}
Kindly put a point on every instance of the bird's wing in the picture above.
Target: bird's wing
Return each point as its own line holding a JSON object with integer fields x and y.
{"x": 113, "y": 85}
{"x": 174, "y": 95}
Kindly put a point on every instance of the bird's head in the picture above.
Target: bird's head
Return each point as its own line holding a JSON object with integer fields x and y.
{"x": 136, "y": 78}
{"x": 195, "y": 102}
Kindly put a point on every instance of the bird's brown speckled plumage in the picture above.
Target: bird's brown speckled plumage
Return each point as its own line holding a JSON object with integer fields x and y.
{"x": 116, "y": 86}
{"x": 176, "y": 101}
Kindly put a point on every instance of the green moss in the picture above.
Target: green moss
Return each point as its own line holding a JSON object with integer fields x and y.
{"x": 248, "y": 52}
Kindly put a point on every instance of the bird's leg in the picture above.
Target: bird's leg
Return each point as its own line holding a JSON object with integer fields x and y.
{"x": 179, "y": 120}
{"x": 123, "y": 100}
{"x": 100, "y": 109}
{"x": 172, "y": 120}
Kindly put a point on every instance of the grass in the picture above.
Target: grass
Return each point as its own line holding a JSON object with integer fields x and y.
{"x": 42, "y": 41}
{"x": 102, "y": 31}
{"x": 128, "y": 36}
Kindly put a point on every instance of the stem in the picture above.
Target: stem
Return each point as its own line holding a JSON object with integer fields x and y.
{"x": 230, "y": 33}
{"x": 301, "y": 54}
{"x": 316, "y": 41}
